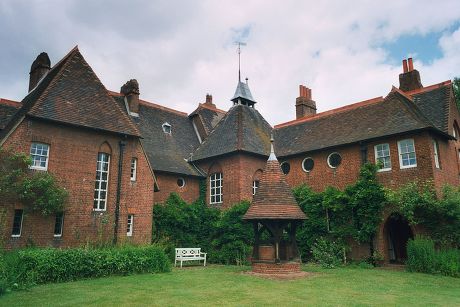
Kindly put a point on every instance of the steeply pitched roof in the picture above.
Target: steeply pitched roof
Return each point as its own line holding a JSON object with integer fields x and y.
{"x": 76, "y": 96}
{"x": 242, "y": 91}
{"x": 274, "y": 199}
{"x": 166, "y": 152}
{"x": 241, "y": 129}
{"x": 209, "y": 116}
{"x": 7, "y": 110}
{"x": 434, "y": 103}
{"x": 362, "y": 121}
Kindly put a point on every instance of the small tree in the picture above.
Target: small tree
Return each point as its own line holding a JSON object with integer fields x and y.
{"x": 366, "y": 199}
{"x": 38, "y": 191}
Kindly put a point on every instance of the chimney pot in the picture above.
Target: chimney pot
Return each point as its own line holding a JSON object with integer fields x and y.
{"x": 131, "y": 91}
{"x": 405, "y": 66}
{"x": 411, "y": 64}
{"x": 208, "y": 99}
{"x": 305, "y": 106}
{"x": 39, "y": 69}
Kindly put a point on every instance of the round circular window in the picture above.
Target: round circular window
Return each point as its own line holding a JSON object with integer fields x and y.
{"x": 334, "y": 160}
{"x": 308, "y": 164}
{"x": 285, "y": 167}
{"x": 181, "y": 182}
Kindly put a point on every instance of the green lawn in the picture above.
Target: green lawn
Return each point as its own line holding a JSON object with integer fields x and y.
{"x": 227, "y": 285}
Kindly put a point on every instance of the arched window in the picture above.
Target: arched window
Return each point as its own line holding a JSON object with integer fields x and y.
{"x": 256, "y": 181}
{"x": 216, "y": 183}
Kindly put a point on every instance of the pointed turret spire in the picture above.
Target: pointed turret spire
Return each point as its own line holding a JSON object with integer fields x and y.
{"x": 272, "y": 156}
{"x": 242, "y": 94}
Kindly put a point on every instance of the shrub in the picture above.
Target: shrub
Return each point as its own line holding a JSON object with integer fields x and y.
{"x": 420, "y": 255}
{"x": 3, "y": 281}
{"x": 327, "y": 253}
{"x": 233, "y": 238}
{"x": 37, "y": 266}
{"x": 448, "y": 262}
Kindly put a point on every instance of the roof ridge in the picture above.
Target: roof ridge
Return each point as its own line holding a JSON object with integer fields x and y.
{"x": 429, "y": 88}
{"x": 150, "y": 104}
{"x": 342, "y": 109}
{"x": 9, "y": 102}
{"x": 203, "y": 105}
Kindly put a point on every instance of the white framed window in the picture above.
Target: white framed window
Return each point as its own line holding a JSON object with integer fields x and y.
{"x": 180, "y": 182}
{"x": 285, "y": 167}
{"x": 39, "y": 154}
{"x": 216, "y": 184}
{"x": 334, "y": 160}
{"x": 436, "y": 154}
{"x": 133, "y": 169}
{"x": 166, "y": 128}
{"x": 255, "y": 186}
{"x": 17, "y": 223}
{"x": 102, "y": 180}
{"x": 382, "y": 157}
{"x": 58, "y": 225}
{"x": 130, "y": 225}
{"x": 308, "y": 164}
{"x": 407, "y": 157}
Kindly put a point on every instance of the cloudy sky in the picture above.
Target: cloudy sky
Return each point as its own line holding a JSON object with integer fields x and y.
{"x": 346, "y": 51}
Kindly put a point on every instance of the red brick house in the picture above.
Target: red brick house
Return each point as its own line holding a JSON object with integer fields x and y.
{"x": 412, "y": 132}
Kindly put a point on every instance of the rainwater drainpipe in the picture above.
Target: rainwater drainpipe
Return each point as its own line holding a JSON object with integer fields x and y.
{"x": 121, "y": 145}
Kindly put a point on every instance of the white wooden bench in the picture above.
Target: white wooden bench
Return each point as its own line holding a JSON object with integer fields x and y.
{"x": 189, "y": 254}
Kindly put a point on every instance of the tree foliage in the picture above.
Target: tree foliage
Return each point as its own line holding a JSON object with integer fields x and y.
{"x": 38, "y": 191}
{"x": 456, "y": 85}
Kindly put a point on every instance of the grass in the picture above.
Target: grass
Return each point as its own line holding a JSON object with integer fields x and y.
{"x": 227, "y": 286}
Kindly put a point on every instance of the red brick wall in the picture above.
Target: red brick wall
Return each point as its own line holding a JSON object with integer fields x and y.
{"x": 238, "y": 171}
{"x": 168, "y": 184}
{"x": 72, "y": 159}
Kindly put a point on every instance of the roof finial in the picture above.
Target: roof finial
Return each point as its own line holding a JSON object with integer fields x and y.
{"x": 272, "y": 156}
{"x": 239, "y": 58}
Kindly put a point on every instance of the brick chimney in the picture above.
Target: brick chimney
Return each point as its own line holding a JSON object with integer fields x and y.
{"x": 410, "y": 78}
{"x": 39, "y": 69}
{"x": 209, "y": 101}
{"x": 304, "y": 105}
{"x": 131, "y": 92}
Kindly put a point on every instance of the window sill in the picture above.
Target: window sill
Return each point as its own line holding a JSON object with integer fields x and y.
{"x": 99, "y": 210}
{"x": 57, "y": 236}
{"x": 15, "y": 236}
{"x": 383, "y": 170}
{"x": 408, "y": 166}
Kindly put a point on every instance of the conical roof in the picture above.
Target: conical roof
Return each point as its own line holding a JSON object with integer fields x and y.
{"x": 274, "y": 199}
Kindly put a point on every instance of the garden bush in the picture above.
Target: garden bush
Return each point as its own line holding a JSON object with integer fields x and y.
{"x": 423, "y": 257}
{"x": 328, "y": 253}
{"x": 38, "y": 266}
{"x": 3, "y": 282}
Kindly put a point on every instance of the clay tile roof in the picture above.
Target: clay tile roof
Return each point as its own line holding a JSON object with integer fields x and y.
{"x": 396, "y": 113}
{"x": 166, "y": 152}
{"x": 274, "y": 199}
{"x": 71, "y": 93}
{"x": 241, "y": 129}
{"x": 7, "y": 110}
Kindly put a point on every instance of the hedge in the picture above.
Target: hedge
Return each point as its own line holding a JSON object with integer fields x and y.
{"x": 38, "y": 266}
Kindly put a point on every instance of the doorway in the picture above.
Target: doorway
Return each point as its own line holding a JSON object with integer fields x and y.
{"x": 396, "y": 234}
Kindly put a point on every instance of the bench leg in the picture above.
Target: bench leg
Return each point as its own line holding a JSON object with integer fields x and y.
{"x": 204, "y": 261}
{"x": 181, "y": 264}
{"x": 175, "y": 262}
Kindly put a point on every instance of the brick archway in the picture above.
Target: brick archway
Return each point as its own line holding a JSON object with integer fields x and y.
{"x": 394, "y": 232}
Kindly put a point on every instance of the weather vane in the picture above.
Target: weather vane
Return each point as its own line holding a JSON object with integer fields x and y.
{"x": 239, "y": 58}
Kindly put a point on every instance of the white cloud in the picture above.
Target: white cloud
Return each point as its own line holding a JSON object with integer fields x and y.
{"x": 180, "y": 50}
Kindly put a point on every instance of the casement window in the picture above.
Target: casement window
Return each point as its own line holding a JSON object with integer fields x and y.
{"x": 436, "y": 154}
{"x": 58, "y": 225}
{"x": 133, "y": 169}
{"x": 17, "y": 223}
{"x": 255, "y": 186}
{"x": 407, "y": 157}
{"x": 382, "y": 157}
{"x": 216, "y": 183}
{"x": 102, "y": 180}
{"x": 130, "y": 225}
{"x": 39, "y": 154}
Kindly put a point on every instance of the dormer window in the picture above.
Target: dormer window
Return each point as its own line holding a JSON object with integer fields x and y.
{"x": 166, "y": 128}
